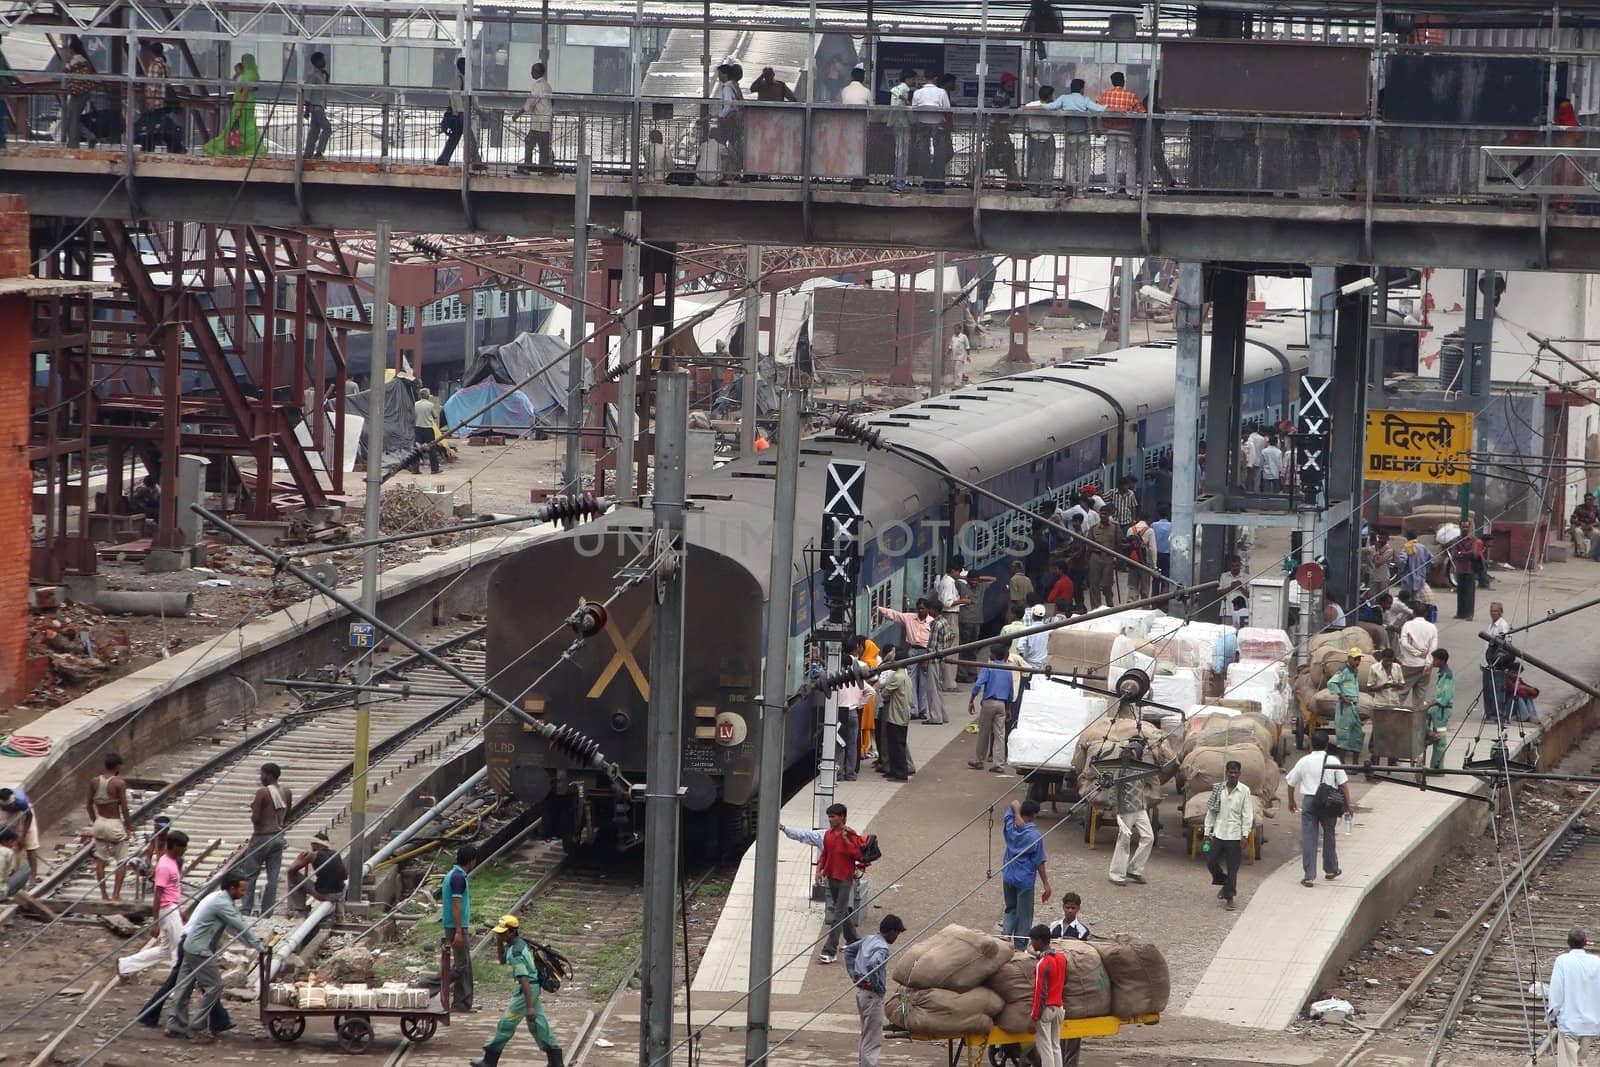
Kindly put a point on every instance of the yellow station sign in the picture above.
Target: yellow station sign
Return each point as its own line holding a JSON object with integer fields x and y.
{"x": 1419, "y": 446}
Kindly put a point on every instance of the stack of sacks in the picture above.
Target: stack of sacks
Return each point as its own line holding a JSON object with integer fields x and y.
{"x": 1213, "y": 727}
{"x": 1264, "y": 642}
{"x": 1080, "y": 651}
{"x": 944, "y": 976}
{"x": 1204, "y": 767}
{"x": 1087, "y": 995}
{"x": 1052, "y": 716}
{"x": 1328, "y": 654}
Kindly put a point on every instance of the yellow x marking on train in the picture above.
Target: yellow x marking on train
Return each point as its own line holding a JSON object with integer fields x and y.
{"x": 624, "y": 657}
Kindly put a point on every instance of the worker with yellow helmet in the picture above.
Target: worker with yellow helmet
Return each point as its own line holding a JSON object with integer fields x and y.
{"x": 524, "y": 1005}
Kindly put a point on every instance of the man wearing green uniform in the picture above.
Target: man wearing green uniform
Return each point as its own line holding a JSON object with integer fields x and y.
{"x": 1346, "y": 689}
{"x": 1443, "y": 706}
{"x": 524, "y": 1004}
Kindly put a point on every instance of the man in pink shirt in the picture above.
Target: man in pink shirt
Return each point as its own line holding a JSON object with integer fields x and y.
{"x": 168, "y": 928}
{"x": 917, "y": 625}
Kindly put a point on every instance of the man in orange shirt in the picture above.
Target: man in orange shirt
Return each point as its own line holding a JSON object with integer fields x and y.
{"x": 1121, "y": 173}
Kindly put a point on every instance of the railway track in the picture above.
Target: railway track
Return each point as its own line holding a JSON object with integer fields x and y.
{"x": 207, "y": 793}
{"x": 1485, "y": 1001}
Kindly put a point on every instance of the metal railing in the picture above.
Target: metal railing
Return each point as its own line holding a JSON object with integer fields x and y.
{"x": 686, "y": 141}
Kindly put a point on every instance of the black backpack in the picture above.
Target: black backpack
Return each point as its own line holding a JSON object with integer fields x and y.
{"x": 552, "y": 967}
{"x": 870, "y": 852}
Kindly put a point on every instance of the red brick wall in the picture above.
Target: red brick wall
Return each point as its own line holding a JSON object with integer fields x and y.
{"x": 16, "y": 486}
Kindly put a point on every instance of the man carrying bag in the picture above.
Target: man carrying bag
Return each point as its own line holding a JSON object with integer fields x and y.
{"x": 1319, "y": 788}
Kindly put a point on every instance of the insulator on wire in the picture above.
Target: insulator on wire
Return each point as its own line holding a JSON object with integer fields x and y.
{"x": 428, "y": 247}
{"x": 856, "y": 429}
{"x": 571, "y": 506}
{"x": 571, "y": 743}
{"x": 589, "y": 619}
{"x": 854, "y": 674}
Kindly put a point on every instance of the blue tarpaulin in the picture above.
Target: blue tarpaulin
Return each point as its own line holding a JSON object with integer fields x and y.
{"x": 514, "y": 411}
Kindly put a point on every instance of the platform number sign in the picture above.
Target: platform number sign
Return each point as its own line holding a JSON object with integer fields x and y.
{"x": 1312, "y": 423}
{"x": 844, "y": 498}
{"x": 363, "y": 635}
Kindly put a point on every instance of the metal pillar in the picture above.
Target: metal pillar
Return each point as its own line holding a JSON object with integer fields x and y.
{"x": 1341, "y": 543}
{"x": 936, "y": 364}
{"x": 665, "y": 723}
{"x": 1475, "y": 366}
{"x": 750, "y": 349}
{"x": 573, "y": 476}
{"x": 1312, "y": 520}
{"x": 1229, "y": 292}
{"x": 1125, "y": 305}
{"x": 627, "y": 352}
{"x": 774, "y": 701}
{"x": 1190, "y": 315}
{"x": 378, "y": 364}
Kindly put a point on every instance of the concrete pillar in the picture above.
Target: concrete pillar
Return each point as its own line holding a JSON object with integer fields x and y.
{"x": 16, "y": 484}
{"x": 191, "y": 486}
{"x": 1190, "y": 314}
{"x": 1230, "y": 291}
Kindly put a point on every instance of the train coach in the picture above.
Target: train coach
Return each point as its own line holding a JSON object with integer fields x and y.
{"x": 1030, "y": 437}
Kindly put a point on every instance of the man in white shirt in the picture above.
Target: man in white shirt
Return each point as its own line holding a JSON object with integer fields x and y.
{"x": 856, "y": 94}
{"x": 540, "y": 109}
{"x": 1272, "y": 467}
{"x": 1253, "y": 444}
{"x": 959, "y": 347}
{"x": 1418, "y": 639}
{"x": 900, "y": 94}
{"x": 930, "y": 132}
{"x": 1230, "y": 816}
{"x": 950, "y": 603}
{"x": 1574, "y": 1001}
{"x": 1041, "y": 142}
{"x": 1315, "y": 767}
{"x": 852, "y": 698}
{"x": 1386, "y": 680}
{"x": 1235, "y": 597}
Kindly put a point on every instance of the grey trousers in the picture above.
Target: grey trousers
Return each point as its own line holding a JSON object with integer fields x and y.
{"x": 992, "y": 732}
{"x": 1310, "y": 827}
{"x": 839, "y": 917}
{"x": 849, "y": 741}
{"x": 264, "y": 851}
{"x": 195, "y": 969}
{"x": 870, "y": 1006}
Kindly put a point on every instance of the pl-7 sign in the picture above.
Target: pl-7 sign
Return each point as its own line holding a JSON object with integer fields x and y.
{"x": 1419, "y": 446}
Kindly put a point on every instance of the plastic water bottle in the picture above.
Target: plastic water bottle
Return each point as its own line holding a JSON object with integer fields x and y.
{"x": 1205, "y": 846}
{"x": 1349, "y": 822}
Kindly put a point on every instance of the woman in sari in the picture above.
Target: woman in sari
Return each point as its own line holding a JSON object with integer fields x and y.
{"x": 240, "y": 136}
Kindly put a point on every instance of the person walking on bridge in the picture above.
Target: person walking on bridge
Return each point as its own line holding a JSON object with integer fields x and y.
{"x": 1574, "y": 1001}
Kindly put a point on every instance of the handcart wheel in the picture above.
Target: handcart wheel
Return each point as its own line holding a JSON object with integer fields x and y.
{"x": 1005, "y": 1055}
{"x": 355, "y": 1035}
{"x": 286, "y": 1028}
{"x": 418, "y": 1028}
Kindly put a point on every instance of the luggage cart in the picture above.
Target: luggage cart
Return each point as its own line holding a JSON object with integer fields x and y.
{"x": 998, "y": 1048}
{"x": 353, "y": 1026}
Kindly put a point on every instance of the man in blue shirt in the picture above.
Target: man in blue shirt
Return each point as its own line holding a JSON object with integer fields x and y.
{"x": 455, "y": 915}
{"x": 995, "y": 688}
{"x": 1162, "y": 528}
{"x": 866, "y": 961}
{"x": 1079, "y": 155}
{"x": 212, "y": 919}
{"x": 1024, "y": 861}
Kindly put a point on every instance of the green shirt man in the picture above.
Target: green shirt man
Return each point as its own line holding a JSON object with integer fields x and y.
{"x": 1346, "y": 689}
{"x": 524, "y": 1005}
{"x": 1442, "y": 708}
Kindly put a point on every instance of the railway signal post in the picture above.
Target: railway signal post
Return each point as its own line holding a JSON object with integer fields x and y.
{"x": 774, "y": 706}
{"x": 665, "y": 752}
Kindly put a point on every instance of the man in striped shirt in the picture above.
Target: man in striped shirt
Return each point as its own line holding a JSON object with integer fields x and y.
{"x": 1121, "y": 174}
{"x": 1049, "y": 1001}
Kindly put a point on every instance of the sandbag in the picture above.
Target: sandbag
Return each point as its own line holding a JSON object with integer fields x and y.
{"x": 1344, "y": 640}
{"x": 1205, "y": 767}
{"x": 1379, "y": 635}
{"x": 1013, "y": 983}
{"x": 955, "y": 959}
{"x": 1221, "y": 731}
{"x": 904, "y": 959}
{"x": 1194, "y": 811}
{"x": 1088, "y": 992}
{"x": 1140, "y": 983}
{"x": 1107, "y": 736}
{"x": 1327, "y": 704}
{"x": 1016, "y": 1017}
{"x": 943, "y": 1012}
{"x": 1075, "y": 650}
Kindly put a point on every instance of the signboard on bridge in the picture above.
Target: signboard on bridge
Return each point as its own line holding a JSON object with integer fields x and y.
{"x": 1419, "y": 446}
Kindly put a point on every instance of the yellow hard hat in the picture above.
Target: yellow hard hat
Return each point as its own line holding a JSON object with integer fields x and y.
{"x": 1356, "y": 652}
{"x": 508, "y": 922}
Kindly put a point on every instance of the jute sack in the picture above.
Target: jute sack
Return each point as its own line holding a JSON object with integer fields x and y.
{"x": 955, "y": 958}
{"x": 1327, "y": 704}
{"x": 1222, "y": 731}
{"x": 943, "y": 1012}
{"x": 1140, "y": 984}
{"x": 1076, "y": 650}
{"x": 1088, "y": 993}
{"x": 1205, "y": 767}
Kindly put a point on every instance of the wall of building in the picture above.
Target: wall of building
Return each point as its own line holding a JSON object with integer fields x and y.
{"x": 16, "y": 487}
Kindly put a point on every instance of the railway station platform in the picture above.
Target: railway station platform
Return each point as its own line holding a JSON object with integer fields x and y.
{"x": 1255, "y": 968}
